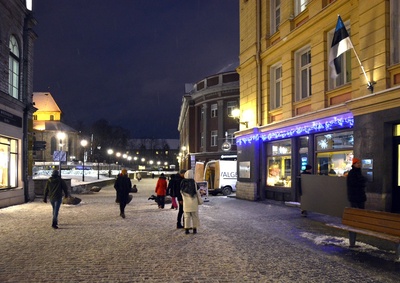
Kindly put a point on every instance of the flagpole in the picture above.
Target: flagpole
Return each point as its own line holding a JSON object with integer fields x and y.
{"x": 369, "y": 83}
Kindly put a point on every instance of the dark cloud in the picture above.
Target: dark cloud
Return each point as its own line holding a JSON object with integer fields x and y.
{"x": 127, "y": 61}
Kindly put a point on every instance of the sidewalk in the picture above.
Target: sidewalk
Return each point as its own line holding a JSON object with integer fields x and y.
{"x": 238, "y": 241}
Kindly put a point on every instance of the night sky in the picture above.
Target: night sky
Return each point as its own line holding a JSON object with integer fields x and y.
{"x": 127, "y": 61}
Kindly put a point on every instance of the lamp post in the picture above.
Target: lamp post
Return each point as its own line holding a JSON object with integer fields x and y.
{"x": 98, "y": 163}
{"x": 110, "y": 152}
{"x": 83, "y": 144}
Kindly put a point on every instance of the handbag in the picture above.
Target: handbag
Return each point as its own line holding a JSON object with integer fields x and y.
{"x": 199, "y": 199}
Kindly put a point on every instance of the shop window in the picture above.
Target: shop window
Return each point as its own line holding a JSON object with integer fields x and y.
{"x": 279, "y": 164}
{"x": 334, "y": 153}
{"x": 8, "y": 163}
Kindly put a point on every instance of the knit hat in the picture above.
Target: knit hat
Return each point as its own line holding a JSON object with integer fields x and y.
{"x": 356, "y": 160}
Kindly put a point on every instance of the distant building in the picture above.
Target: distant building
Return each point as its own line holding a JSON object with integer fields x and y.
{"x": 206, "y": 125}
{"x": 16, "y": 52}
{"x": 49, "y": 131}
{"x": 153, "y": 154}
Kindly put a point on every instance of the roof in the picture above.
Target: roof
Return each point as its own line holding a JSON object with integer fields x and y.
{"x": 52, "y": 126}
{"x": 44, "y": 101}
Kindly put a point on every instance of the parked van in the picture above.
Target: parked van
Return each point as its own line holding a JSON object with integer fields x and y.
{"x": 221, "y": 176}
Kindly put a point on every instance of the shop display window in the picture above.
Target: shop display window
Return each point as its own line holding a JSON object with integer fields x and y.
{"x": 8, "y": 162}
{"x": 279, "y": 164}
{"x": 334, "y": 153}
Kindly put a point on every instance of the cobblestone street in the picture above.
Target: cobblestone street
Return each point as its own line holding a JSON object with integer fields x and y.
{"x": 238, "y": 241}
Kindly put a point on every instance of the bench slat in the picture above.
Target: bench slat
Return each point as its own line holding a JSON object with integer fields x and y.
{"x": 365, "y": 232}
{"x": 377, "y": 221}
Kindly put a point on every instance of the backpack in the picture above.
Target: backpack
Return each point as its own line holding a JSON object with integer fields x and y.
{"x": 188, "y": 185}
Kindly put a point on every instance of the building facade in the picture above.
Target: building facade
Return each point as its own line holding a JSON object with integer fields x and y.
{"x": 50, "y": 135}
{"x": 299, "y": 113}
{"x": 16, "y": 75}
{"x": 206, "y": 124}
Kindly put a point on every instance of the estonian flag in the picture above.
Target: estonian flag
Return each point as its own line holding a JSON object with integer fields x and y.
{"x": 341, "y": 43}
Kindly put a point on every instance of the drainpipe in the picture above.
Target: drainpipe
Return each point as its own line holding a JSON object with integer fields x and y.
{"x": 258, "y": 62}
{"x": 260, "y": 194}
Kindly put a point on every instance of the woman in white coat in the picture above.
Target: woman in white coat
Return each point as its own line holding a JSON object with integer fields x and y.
{"x": 191, "y": 200}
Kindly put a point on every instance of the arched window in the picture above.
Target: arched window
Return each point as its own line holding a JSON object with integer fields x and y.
{"x": 13, "y": 71}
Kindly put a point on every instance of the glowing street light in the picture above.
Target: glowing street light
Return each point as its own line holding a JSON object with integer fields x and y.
{"x": 110, "y": 152}
{"x": 83, "y": 144}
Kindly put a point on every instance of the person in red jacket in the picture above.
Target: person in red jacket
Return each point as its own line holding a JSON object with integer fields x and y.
{"x": 161, "y": 190}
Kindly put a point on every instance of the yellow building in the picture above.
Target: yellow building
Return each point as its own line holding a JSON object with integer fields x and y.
{"x": 50, "y": 134}
{"x": 299, "y": 114}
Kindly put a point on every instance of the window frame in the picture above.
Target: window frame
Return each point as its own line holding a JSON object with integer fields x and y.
{"x": 230, "y": 106}
{"x": 14, "y": 68}
{"x": 274, "y": 82}
{"x": 299, "y": 71}
{"x": 214, "y": 110}
{"x": 394, "y": 32}
{"x": 345, "y": 75}
{"x": 299, "y": 6}
{"x": 275, "y": 15}
{"x": 214, "y": 138}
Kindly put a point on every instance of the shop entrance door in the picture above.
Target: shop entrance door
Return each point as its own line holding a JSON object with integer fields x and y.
{"x": 396, "y": 176}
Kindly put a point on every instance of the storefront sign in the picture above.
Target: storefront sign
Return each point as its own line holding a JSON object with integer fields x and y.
{"x": 10, "y": 119}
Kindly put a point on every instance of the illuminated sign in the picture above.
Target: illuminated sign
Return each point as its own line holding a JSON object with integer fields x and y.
{"x": 322, "y": 125}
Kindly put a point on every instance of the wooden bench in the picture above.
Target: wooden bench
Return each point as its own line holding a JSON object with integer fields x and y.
{"x": 383, "y": 225}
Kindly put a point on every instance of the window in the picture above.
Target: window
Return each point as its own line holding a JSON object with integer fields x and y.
{"x": 8, "y": 163}
{"x": 279, "y": 163}
{"x": 214, "y": 110}
{"x": 334, "y": 153}
{"x": 230, "y": 136}
{"x": 299, "y": 6}
{"x": 275, "y": 15}
{"x": 303, "y": 73}
{"x": 230, "y": 106}
{"x": 394, "y": 32}
{"x": 51, "y": 117}
{"x": 214, "y": 138}
{"x": 344, "y": 76}
{"x": 13, "y": 71}
{"x": 276, "y": 86}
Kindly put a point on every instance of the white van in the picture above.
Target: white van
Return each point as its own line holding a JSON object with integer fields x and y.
{"x": 221, "y": 176}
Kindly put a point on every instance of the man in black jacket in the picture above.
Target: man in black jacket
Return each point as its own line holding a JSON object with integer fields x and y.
{"x": 356, "y": 183}
{"x": 54, "y": 189}
{"x": 176, "y": 191}
{"x": 123, "y": 187}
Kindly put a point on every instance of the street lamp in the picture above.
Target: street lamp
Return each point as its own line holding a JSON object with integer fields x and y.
{"x": 83, "y": 144}
{"x": 98, "y": 163}
{"x": 110, "y": 152}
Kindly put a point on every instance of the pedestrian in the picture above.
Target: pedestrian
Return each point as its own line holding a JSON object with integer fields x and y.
{"x": 138, "y": 177}
{"x": 307, "y": 170}
{"x": 191, "y": 201}
{"x": 54, "y": 189}
{"x": 177, "y": 191}
{"x": 123, "y": 187}
{"x": 171, "y": 191}
{"x": 356, "y": 183}
{"x": 161, "y": 190}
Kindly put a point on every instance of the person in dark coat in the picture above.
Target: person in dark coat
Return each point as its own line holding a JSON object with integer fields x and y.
{"x": 175, "y": 184}
{"x": 54, "y": 189}
{"x": 171, "y": 191}
{"x": 307, "y": 170}
{"x": 123, "y": 187}
{"x": 356, "y": 183}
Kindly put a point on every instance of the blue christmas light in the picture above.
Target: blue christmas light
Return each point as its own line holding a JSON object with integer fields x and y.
{"x": 323, "y": 125}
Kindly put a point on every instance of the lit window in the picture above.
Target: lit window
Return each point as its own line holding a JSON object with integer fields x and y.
{"x": 13, "y": 71}
{"x": 230, "y": 106}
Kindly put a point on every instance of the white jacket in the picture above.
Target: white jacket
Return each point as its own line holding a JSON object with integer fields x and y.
{"x": 191, "y": 204}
